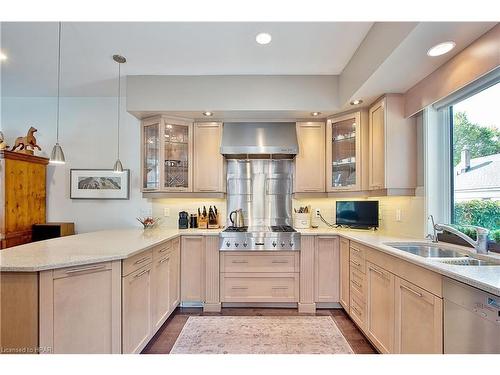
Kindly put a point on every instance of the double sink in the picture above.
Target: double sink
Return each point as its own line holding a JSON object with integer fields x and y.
{"x": 441, "y": 254}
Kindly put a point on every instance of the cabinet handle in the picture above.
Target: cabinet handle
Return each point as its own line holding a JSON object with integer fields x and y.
{"x": 239, "y": 261}
{"x": 308, "y": 190}
{"x": 239, "y": 287}
{"x": 356, "y": 310}
{"x": 164, "y": 260}
{"x": 411, "y": 290}
{"x": 207, "y": 189}
{"x": 91, "y": 268}
{"x": 357, "y": 250}
{"x": 356, "y": 283}
{"x": 140, "y": 274}
{"x": 141, "y": 260}
{"x": 355, "y": 263}
{"x": 164, "y": 249}
{"x": 280, "y": 261}
{"x": 279, "y": 287}
{"x": 379, "y": 272}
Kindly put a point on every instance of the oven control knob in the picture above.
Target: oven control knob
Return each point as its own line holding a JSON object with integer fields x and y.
{"x": 282, "y": 244}
{"x": 291, "y": 244}
{"x": 236, "y": 244}
{"x": 245, "y": 244}
{"x": 228, "y": 244}
{"x": 274, "y": 244}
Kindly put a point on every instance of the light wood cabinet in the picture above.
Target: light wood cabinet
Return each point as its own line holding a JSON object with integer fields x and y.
{"x": 175, "y": 275}
{"x": 392, "y": 147}
{"x": 327, "y": 269}
{"x": 309, "y": 176}
{"x": 80, "y": 309}
{"x": 208, "y": 163}
{"x": 192, "y": 269}
{"x": 136, "y": 305}
{"x": 161, "y": 277}
{"x": 344, "y": 274}
{"x": 380, "y": 307}
{"x": 419, "y": 320}
{"x": 347, "y": 152}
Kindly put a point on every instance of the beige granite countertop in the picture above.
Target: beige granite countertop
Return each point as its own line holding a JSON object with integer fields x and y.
{"x": 109, "y": 245}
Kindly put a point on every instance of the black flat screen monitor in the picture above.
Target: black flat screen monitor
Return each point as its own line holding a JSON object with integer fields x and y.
{"x": 357, "y": 214}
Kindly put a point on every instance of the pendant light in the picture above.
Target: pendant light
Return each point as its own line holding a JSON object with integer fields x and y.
{"x": 57, "y": 155}
{"x": 118, "y": 167}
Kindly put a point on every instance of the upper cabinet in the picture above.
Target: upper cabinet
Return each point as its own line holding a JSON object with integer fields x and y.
{"x": 392, "y": 148}
{"x": 208, "y": 163}
{"x": 346, "y": 151}
{"x": 309, "y": 163}
{"x": 181, "y": 157}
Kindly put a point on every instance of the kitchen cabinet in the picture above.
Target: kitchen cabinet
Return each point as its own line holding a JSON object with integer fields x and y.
{"x": 175, "y": 275}
{"x": 80, "y": 309}
{"x": 344, "y": 274}
{"x": 192, "y": 269}
{"x": 392, "y": 148}
{"x": 418, "y": 320}
{"x": 380, "y": 307}
{"x": 327, "y": 268}
{"x": 208, "y": 163}
{"x": 347, "y": 152}
{"x": 161, "y": 275}
{"x": 309, "y": 176}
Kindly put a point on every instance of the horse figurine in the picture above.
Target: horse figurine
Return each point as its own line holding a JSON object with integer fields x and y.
{"x": 3, "y": 145}
{"x": 27, "y": 142}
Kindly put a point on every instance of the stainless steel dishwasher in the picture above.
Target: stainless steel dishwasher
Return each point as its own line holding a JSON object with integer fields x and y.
{"x": 471, "y": 319}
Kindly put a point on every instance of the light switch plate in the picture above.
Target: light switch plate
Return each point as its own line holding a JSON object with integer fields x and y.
{"x": 166, "y": 212}
{"x": 398, "y": 214}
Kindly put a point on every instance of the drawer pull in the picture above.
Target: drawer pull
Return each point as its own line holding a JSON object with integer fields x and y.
{"x": 239, "y": 288}
{"x": 357, "y": 250}
{"x": 164, "y": 260}
{"x": 280, "y": 287}
{"x": 91, "y": 268}
{"x": 141, "y": 260}
{"x": 140, "y": 274}
{"x": 411, "y": 290}
{"x": 356, "y": 283}
{"x": 239, "y": 261}
{"x": 356, "y": 310}
{"x": 280, "y": 261}
{"x": 355, "y": 263}
{"x": 378, "y": 272}
{"x": 165, "y": 249}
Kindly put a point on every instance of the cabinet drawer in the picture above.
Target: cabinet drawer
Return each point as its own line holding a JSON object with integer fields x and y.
{"x": 162, "y": 250}
{"x": 357, "y": 263}
{"x": 357, "y": 250}
{"x": 137, "y": 261}
{"x": 358, "y": 311}
{"x": 238, "y": 287}
{"x": 263, "y": 262}
{"x": 358, "y": 284}
{"x": 80, "y": 270}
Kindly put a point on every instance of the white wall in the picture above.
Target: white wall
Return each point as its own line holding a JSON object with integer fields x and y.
{"x": 88, "y": 138}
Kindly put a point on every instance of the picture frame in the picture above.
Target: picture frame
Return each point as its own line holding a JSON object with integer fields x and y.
{"x": 99, "y": 184}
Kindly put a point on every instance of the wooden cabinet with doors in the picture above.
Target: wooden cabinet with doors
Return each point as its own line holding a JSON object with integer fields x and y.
{"x": 22, "y": 196}
{"x": 175, "y": 275}
{"x": 167, "y": 155}
{"x": 161, "y": 278}
{"x": 208, "y": 163}
{"x": 344, "y": 274}
{"x": 392, "y": 147}
{"x": 419, "y": 320}
{"x": 327, "y": 268}
{"x": 309, "y": 176}
{"x": 347, "y": 152}
{"x": 192, "y": 269}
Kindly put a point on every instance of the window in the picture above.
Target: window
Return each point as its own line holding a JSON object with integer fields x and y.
{"x": 475, "y": 160}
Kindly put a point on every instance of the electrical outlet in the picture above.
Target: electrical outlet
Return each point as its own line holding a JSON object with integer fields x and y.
{"x": 398, "y": 214}
{"x": 317, "y": 212}
{"x": 166, "y": 212}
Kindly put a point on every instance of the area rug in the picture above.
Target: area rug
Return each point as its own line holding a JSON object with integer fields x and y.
{"x": 261, "y": 335}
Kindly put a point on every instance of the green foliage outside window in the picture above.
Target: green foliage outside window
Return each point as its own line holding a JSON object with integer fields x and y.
{"x": 483, "y": 213}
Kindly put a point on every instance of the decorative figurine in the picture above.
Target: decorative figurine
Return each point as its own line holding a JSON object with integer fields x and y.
{"x": 3, "y": 145}
{"x": 27, "y": 144}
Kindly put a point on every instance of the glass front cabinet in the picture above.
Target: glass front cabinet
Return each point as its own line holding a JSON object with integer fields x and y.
{"x": 166, "y": 155}
{"x": 346, "y": 139}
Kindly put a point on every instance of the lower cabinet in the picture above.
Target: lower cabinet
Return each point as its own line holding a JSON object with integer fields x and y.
{"x": 175, "y": 275}
{"x": 344, "y": 274}
{"x": 327, "y": 268}
{"x": 161, "y": 278}
{"x": 192, "y": 269}
{"x": 419, "y": 320}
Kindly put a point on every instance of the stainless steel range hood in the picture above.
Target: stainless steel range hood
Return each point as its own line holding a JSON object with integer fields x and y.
{"x": 259, "y": 140}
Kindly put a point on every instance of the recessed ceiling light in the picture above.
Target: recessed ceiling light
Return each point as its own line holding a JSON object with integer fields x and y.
{"x": 441, "y": 49}
{"x": 315, "y": 114}
{"x": 207, "y": 113}
{"x": 356, "y": 102}
{"x": 3, "y": 56}
{"x": 263, "y": 38}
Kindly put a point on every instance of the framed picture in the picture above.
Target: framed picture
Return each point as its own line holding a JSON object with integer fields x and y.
{"x": 99, "y": 184}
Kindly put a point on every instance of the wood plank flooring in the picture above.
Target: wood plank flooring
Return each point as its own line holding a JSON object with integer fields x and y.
{"x": 165, "y": 338}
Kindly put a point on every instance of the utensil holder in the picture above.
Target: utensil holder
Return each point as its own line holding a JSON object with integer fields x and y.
{"x": 302, "y": 220}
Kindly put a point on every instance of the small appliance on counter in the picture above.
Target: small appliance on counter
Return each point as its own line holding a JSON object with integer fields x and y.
{"x": 193, "y": 221}
{"x": 183, "y": 220}
{"x": 357, "y": 214}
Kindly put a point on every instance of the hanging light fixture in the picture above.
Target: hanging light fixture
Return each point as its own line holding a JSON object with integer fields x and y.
{"x": 57, "y": 154}
{"x": 118, "y": 167}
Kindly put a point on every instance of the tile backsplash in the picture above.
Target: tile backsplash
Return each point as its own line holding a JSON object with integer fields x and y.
{"x": 190, "y": 205}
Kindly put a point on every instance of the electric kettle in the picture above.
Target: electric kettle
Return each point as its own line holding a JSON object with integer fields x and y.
{"x": 238, "y": 221}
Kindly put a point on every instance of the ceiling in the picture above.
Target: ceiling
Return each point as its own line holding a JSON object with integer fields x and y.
{"x": 321, "y": 48}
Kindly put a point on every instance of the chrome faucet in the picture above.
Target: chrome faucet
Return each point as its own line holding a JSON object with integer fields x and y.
{"x": 433, "y": 237}
{"x": 481, "y": 243}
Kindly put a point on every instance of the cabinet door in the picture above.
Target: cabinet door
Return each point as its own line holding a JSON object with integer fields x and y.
{"x": 160, "y": 290}
{"x": 192, "y": 269}
{"x": 419, "y": 320}
{"x": 208, "y": 163}
{"x": 377, "y": 145}
{"x": 177, "y": 154}
{"x": 151, "y": 154}
{"x": 310, "y": 162}
{"x": 136, "y": 310}
{"x": 380, "y": 307}
{"x": 175, "y": 273}
{"x": 326, "y": 260}
{"x": 343, "y": 150}
{"x": 344, "y": 274}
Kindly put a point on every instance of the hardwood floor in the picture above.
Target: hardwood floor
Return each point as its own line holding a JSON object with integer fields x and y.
{"x": 165, "y": 338}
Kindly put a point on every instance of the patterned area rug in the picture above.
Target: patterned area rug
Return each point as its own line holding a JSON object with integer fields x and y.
{"x": 261, "y": 335}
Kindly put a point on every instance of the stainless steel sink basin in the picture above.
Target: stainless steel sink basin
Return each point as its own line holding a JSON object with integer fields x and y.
{"x": 469, "y": 262}
{"x": 428, "y": 250}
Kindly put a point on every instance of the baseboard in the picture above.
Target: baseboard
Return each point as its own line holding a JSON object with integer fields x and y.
{"x": 191, "y": 304}
{"x": 282, "y": 305}
{"x": 328, "y": 305}
{"x": 212, "y": 307}
{"x": 307, "y": 308}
